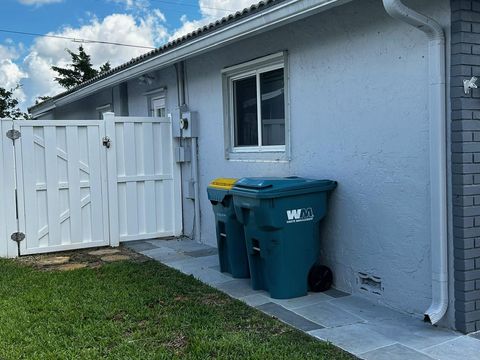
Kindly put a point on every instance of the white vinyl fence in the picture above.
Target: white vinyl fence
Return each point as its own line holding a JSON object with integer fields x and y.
{"x": 85, "y": 183}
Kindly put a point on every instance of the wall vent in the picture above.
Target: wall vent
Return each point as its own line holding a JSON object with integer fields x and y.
{"x": 370, "y": 283}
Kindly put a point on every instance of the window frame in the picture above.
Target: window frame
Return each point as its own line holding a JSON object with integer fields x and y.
{"x": 155, "y": 94}
{"x": 153, "y": 108}
{"x": 237, "y": 72}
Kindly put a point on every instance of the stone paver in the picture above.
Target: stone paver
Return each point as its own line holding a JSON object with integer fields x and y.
{"x": 54, "y": 260}
{"x": 288, "y": 317}
{"x": 365, "y": 309}
{"x": 413, "y": 333}
{"x": 462, "y": 348}
{"x": 328, "y": 315}
{"x": 336, "y": 293}
{"x": 211, "y": 277}
{"x": 164, "y": 255}
{"x": 140, "y": 246}
{"x": 103, "y": 252}
{"x": 201, "y": 252}
{"x": 237, "y": 288}
{"x": 310, "y": 299}
{"x": 395, "y": 352}
{"x": 255, "y": 299}
{"x": 356, "y": 338}
{"x": 71, "y": 266}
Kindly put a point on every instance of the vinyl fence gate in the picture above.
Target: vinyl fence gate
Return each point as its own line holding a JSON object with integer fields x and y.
{"x": 72, "y": 184}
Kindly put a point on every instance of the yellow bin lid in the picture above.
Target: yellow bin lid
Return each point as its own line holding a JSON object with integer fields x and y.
{"x": 223, "y": 183}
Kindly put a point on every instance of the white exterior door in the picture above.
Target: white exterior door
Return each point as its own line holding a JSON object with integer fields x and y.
{"x": 61, "y": 185}
{"x": 143, "y": 179}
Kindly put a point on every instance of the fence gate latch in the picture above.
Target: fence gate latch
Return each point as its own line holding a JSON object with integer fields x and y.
{"x": 106, "y": 142}
{"x": 18, "y": 237}
{"x": 13, "y": 134}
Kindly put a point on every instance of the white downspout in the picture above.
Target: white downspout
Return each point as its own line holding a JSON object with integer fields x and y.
{"x": 438, "y": 152}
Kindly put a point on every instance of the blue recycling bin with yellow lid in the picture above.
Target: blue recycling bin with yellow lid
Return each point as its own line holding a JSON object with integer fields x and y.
{"x": 232, "y": 251}
{"x": 281, "y": 218}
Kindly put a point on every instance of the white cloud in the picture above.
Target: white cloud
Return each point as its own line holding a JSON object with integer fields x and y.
{"x": 119, "y": 28}
{"x": 9, "y": 52}
{"x": 38, "y": 2}
{"x": 10, "y": 73}
{"x": 136, "y": 5}
{"x": 10, "y": 76}
{"x": 211, "y": 10}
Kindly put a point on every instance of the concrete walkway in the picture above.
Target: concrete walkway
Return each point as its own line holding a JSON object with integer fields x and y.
{"x": 365, "y": 329}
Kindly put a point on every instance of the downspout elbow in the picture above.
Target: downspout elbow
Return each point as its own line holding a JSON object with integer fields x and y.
{"x": 397, "y": 10}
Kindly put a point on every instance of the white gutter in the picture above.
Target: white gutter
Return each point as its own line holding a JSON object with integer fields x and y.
{"x": 268, "y": 19}
{"x": 438, "y": 152}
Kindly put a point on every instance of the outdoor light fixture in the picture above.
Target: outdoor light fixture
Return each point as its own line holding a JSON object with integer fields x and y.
{"x": 468, "y": 85}
{"x": 146, "y": 79}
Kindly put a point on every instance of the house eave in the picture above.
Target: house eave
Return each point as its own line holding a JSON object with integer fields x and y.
{"x": 271, "y": 18}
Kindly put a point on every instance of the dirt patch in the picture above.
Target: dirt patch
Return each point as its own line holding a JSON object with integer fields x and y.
{"x": 178, "y": 343}
{"x": 103, "y": 252}
{"x": 213, "y": 300}
{"x": 70, "y": 266}
{"x": 54, "y": 260}
{"x": 113, "y": 258}
{"x": 78, "y": 259}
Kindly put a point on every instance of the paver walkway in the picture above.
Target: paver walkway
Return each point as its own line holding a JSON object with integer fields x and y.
{"x": 368, "y": 330}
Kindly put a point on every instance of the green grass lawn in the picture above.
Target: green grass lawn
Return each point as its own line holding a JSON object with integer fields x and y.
{"x": 132, "y": 310}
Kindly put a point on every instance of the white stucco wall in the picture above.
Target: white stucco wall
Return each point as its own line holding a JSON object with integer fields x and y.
{"x": 85, "y": 109}
{"x": 359, "y": 115}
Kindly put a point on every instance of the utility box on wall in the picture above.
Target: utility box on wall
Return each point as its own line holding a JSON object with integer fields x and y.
{"x": 189, "y": 124}
{"x": 184, "y": 123}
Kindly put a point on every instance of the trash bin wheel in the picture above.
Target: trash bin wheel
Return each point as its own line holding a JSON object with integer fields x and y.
{"x": 320, "y": 278}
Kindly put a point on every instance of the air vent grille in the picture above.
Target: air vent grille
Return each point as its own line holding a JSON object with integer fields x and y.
{"x": 370, "y": 283}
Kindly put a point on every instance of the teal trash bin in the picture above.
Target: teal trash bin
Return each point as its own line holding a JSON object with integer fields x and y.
{"x": 281, "y": 217}
{"x": 232, "y": 251}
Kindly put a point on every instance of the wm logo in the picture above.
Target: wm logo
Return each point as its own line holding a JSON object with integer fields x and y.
{"x": 298, "y": 215}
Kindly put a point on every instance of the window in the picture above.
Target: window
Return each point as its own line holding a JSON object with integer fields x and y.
{"x": 156, "y": 102}
{"x": 255, "y": 107}
{"x": 158, "y": 107}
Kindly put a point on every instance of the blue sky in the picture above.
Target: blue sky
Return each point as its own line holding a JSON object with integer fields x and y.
{"x": 27, "y": 60}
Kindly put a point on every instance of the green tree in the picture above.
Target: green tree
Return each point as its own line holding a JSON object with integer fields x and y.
{"x": 79, "y": 71}
{"x": 41, "y": 99}
{"x": 9, "y": 105}
{"x": 105, "y": 67}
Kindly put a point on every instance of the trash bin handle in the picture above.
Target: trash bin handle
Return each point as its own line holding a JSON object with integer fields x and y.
{"x": 254, "y": 186}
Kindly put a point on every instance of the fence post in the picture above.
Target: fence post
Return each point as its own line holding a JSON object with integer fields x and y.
{"x": 112, "y": 186}
{"x": 8, "y": 209}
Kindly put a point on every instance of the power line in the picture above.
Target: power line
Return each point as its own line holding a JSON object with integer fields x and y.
{"x": 86, "y": 41}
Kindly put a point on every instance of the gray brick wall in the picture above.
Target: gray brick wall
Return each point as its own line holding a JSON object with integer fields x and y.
{"x": 466, "y": 163}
